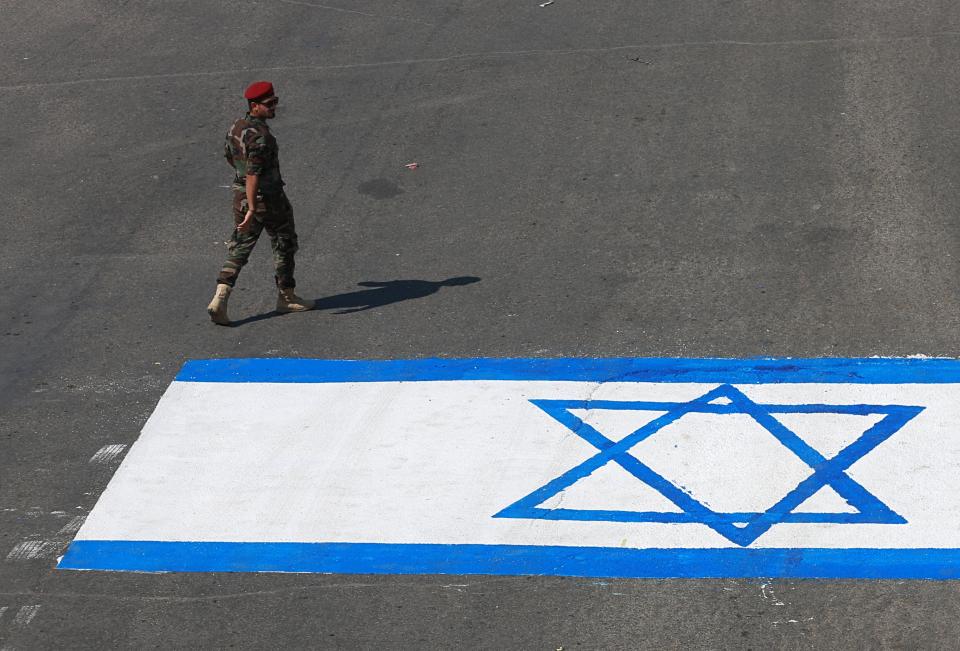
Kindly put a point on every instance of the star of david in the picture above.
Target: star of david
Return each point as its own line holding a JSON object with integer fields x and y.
{"x": 740, "y": 528}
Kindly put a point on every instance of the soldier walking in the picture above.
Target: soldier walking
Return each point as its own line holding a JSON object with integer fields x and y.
{"x": 259, "y": 203}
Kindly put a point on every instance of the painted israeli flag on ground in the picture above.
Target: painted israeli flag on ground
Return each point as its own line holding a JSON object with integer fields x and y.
{"x": 579, "y": 467}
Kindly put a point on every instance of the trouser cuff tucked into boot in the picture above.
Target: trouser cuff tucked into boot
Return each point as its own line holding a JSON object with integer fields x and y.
{"x": 288, "y": 301}
{"x": 218, "y": 306}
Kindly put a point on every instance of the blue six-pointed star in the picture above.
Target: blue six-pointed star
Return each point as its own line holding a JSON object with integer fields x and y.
{"x": 740, "y": 528}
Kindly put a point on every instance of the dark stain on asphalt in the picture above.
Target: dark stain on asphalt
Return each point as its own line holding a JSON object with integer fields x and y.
{"x": 380, "y": 189}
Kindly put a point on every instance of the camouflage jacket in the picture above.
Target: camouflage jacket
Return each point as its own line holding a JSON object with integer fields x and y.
{"x": 250, "y": 148}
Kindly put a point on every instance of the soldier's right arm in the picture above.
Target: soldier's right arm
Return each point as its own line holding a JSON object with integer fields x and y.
{"x": 257, "y": 152}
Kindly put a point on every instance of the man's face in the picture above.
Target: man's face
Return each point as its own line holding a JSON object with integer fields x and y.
{"x": 266, "y": 108}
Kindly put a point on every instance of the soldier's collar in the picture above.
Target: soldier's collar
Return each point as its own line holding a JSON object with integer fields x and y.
{"x": 255, "y": 119}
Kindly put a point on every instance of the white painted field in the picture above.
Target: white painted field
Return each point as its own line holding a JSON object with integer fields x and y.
{"x": 434, "y": 462}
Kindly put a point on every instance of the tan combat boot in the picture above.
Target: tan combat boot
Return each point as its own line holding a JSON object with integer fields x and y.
{"x": 288, "y": 301}
{"x": 218, "y": 306}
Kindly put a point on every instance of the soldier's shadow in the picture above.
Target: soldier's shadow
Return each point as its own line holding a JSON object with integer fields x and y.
{"x": 379, "y": 294}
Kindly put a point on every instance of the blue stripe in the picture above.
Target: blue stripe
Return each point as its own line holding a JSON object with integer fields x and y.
{"x": 368, "y": 558}
{"x": 734, "y": 371}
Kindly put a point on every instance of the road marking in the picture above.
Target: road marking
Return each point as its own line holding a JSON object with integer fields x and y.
{"x": 73, "y": 526}
{"x": 108, "y": 453}
{"x": 25, "y": 615}
{"x": 31, "y": 549}
{"x": 587, "y": 467}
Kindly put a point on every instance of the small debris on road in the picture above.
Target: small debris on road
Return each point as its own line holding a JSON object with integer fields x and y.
{"x": 412, "y": 166}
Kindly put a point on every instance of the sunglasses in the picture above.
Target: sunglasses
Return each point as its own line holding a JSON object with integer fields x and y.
{"x": 270, "y": 103}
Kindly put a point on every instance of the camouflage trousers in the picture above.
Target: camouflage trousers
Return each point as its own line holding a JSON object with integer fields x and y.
{"x": 274, "y": 214}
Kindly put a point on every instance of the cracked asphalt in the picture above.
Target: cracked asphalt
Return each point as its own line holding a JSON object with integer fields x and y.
{"x": 683, "y": 179}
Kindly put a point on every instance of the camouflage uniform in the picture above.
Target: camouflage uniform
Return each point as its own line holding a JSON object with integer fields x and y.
{"x": 251, "y": 149}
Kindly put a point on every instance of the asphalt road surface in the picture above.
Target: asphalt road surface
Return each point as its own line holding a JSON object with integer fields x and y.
{"x": 624, "y": 178}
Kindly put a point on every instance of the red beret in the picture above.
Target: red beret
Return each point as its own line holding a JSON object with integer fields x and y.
{"x": 258, "y": 89}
